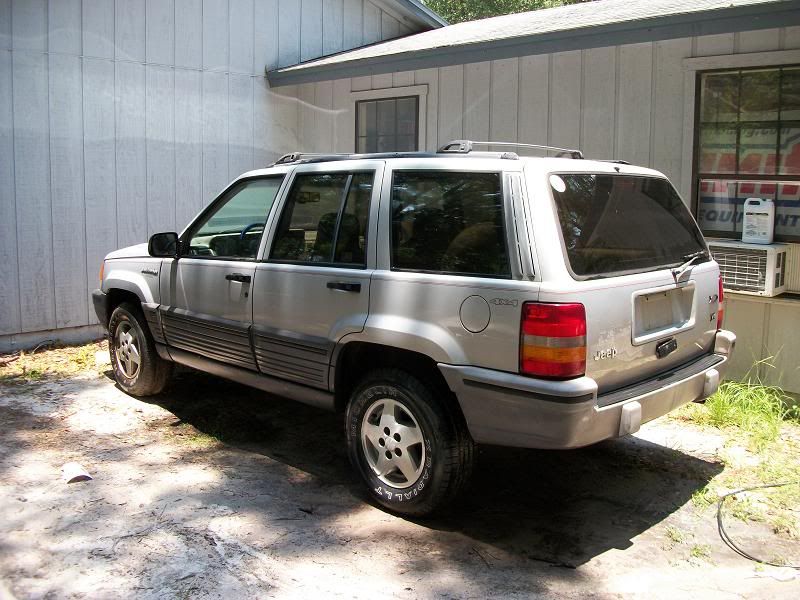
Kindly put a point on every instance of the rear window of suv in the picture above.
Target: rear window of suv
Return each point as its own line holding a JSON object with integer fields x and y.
{"x": 448, "y": 222}
{"x": 615, "y": 224}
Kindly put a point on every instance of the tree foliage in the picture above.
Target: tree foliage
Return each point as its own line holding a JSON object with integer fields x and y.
{"x": 456, "y": 11}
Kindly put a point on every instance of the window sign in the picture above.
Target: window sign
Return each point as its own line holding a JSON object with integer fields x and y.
{"x": 748, "y": 147}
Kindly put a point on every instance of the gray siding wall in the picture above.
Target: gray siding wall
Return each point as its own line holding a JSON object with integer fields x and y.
{"x": 120, "y": 118}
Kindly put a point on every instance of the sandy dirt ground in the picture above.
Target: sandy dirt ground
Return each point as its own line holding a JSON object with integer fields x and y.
{"x": 214, "y": 490}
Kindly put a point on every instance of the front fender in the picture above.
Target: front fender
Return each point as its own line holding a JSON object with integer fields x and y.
{"x": 123, "y": 278}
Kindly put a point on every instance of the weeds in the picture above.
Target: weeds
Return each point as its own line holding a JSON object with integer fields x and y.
{"x": 700, "y": 551}
{"x": 675, "y": 535}
{"x": 53, "y": 362}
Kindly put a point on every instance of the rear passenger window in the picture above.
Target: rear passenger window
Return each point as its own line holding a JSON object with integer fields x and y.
{"x": 448, "y": 222}
{"x": 325, "y": 220}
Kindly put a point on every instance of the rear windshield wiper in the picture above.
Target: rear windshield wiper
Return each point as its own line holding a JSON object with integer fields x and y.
{"x": 689, "y": 260}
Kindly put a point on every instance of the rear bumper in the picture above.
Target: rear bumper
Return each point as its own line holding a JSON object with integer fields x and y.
{"x": 512, "y": 410}
{"x": 100, "y": 301}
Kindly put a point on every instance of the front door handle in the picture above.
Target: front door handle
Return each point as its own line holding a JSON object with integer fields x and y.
{"x": 346, "y": 286}
{"x": 240, "y": 277}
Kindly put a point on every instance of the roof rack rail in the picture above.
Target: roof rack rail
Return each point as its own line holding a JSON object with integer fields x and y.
{"x": 465, "y": 147}
{"x": 614, "y": 160}
{"x": 295, "y": 156}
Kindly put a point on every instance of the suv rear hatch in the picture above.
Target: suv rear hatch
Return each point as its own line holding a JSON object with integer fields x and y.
{"x": 640, "y": 266}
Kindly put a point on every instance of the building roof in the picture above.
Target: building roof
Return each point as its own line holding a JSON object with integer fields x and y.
{"x": 417, "y": 10}
{"x": 577, "y": 26}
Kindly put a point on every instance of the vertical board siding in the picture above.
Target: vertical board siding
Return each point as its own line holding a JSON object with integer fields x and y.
{"x": 240, "y": 125}
{"x": 668, "y": 106}
{"x": 188, "y": 146}
{"x": 98, "y": 28}
{"x": 504, "y": 98}
{"x": 451, "y": 104}
{"x": 9, "y": 275}
{"x": 160, "y": 32}
{"x": 599, "y": 102}
{"x": 99, "y": 167}
{"x": 332, "y": 26}
{"x": 5, "y": 25}
{"x": 534, "y": 99}
{"x": 32, "y": 190}
{"x": 64, "y": 26}
{"x": 565, "y": 99}
{"x": 120, "y": 118}
{"x": 215, "y": 34}
{"x": 130, "y": 29}
{"x": 160, "y": 149}
{"x": 288, "y": 32}
{"x": 241, "y": 34}
{"x": 29, "y": 24}
{"x": 310, "y": 29}
{"x": 635, "y": 103}
{"x": 66, "y": 176}
{"x": 265, "y": 42}
{"x": 353, "y": 20}
{"x": 477, "y": 97}
{"x": 189, "y": 33}
{"x": 215, "y": 134}
{"x": 131, "y": 153}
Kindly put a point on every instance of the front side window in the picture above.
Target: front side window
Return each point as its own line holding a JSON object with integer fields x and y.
{"x": 613, "y": 224}
{"x": 448, "y": 222}
{"x": 325, "y": 220}
{"x": 234, "y": 228}
{"x": 389, "y": 125}
{"x": 749, "y": 147}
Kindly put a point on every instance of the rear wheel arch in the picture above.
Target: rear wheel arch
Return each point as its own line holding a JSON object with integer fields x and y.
{"x": 355, "y": 360}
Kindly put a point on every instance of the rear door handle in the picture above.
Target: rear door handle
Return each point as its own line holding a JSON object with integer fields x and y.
{"x": 240, "y": 277}
{"x": 346, "y": 286}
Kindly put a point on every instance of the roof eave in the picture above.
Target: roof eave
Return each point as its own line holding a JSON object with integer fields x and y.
{"x": 711, "y": 22}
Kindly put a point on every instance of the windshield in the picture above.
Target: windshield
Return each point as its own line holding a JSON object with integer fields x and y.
{"x": 614, "y": 224}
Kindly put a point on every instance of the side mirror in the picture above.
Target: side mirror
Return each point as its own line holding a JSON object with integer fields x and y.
{"x": 163, "y": 245}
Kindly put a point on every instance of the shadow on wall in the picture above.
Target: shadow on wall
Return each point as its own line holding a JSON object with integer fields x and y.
{"x": 562, "y": 507}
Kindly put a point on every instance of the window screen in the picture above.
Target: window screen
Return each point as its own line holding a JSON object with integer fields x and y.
{"x": 389, "y": 125}
{"x": 448, "y": 222}
{"x": 749, "y": 147}
{"x": 325, "y": 219}
{"x": 618, "y": 223}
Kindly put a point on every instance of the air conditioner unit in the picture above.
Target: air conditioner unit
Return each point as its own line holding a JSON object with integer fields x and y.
{"x": 757, "y": 269}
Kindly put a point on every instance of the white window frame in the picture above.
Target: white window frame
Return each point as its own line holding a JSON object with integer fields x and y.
{"x": 420, "y": 91}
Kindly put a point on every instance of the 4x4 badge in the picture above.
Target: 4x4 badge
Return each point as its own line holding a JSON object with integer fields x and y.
{"x": 504, "y": 302}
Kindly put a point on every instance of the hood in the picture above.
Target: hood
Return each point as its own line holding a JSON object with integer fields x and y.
{"x": 136, "y": 251}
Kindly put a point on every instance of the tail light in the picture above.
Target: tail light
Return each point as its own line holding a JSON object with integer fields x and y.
{"x": 720, "y": 305}
{"x": 553, "y": 340}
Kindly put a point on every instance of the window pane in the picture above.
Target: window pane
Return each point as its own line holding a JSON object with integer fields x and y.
{"x": 406, "y": 143}
{"x": 234, "y": 229}
{"x": 757, "y": 146}
{"x": 362, "y": 118}
{"x": 306, "y": 229}
{"x": 448, "y": 223}
{"x": 720, "y": 97}
{"x": 386, "y": 117}
{"x": 385, "y": 143}
{"x": 787, "y": 210}
{"x": 719, "y": 208}
{"x": 790, "y": 150}
{"x": 352, "y": 238}
{"x": 790, "y": 95}
{"x": 656, "y": 231}
{"x": 406, "y": 116}
{"x": 717, "y": 149}
{"x": 759, "y": 95}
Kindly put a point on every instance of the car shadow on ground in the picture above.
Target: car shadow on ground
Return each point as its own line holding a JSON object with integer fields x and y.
{"x": 562, "y": 507}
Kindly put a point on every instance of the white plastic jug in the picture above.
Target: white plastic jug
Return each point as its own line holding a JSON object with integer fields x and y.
{"x": 758, "y": 224}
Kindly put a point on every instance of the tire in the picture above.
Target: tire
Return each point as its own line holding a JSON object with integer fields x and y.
{"x": 426, "y": 458}
{"x": 129, "y": 338}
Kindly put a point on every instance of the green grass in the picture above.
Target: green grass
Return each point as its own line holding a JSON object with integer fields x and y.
{"x": 752, "y": 408}
{"x": 700, "y": 551}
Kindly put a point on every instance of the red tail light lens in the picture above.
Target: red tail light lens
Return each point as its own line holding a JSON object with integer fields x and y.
{"x": 721, "y": 306}
{"x": 553, "y": 340}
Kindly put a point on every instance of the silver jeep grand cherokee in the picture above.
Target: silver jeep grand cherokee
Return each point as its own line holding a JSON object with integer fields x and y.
{"x": 438, "y": 300}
